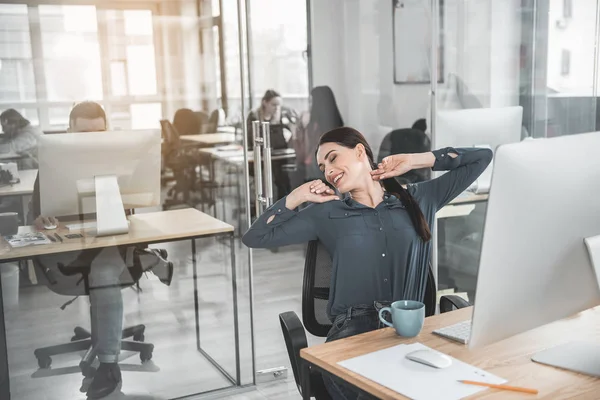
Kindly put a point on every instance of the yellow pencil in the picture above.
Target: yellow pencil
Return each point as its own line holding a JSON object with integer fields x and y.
{"x": 504, "y": 387}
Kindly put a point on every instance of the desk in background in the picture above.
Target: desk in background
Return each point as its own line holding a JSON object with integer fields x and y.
{"x": 148, "y": 228}
{"x": 509, "y": 359}
{"x": 209, "y": 139}
{"x": 23, "y": 189}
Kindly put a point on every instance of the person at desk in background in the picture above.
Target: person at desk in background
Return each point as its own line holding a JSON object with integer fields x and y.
{"x": 377, "y": 232}
{"x": 324, "y": 116}
{"x": 282, "y": 122}
{"x": 21, "y": 138}
{"x": 107, "y": 271}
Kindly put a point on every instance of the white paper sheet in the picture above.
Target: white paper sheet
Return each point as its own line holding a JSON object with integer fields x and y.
{"x": 390, "y": 368}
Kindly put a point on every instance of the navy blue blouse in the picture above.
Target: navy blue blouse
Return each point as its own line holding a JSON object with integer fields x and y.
{"x": 377, "y": 254}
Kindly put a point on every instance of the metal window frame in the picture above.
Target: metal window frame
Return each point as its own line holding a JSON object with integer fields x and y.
{"x": 42, "y": 103}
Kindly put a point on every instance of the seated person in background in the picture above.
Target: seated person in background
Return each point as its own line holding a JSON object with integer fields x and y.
{"x": 406, "y": 141}
{"x": 324, "y": 116}
{"x": 376, "y": 231}
{"x": 21, "y": 138}
{"x": 107, "y": 271}
{"x": 282, "y": 122}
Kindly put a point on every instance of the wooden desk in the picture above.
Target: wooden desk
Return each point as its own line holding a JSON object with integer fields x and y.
{"x": 147, "y": 228}
{"x": 156, "y": 227}
{"x": 24, "y": 187}
{"x": 509, "y": 359}
{"x": 210, "y": 139}
{"x": 10, "y": 156}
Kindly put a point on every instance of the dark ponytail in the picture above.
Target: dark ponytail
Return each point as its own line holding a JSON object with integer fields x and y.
{"x": 392, "y": 186}
{"x": 350, "y": 138}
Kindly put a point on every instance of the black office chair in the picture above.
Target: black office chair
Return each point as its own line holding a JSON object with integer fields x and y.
{"x": 186, "y": 122}
{"x": 191, "y": 186}
{"x": 202, "y": 120}
{"x": 213, "y": 122}
{"x": 82, "y": 338}
{"x": 405, "y": 141}
{"x": 315, "y": 296}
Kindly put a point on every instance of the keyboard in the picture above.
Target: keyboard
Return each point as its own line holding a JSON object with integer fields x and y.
{"x": 83, "y": 226}
{"x": 458, "y": 332}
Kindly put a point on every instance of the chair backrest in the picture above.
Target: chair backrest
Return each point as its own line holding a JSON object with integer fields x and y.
{"x": 212, "y": 123}
{"x": 405, "y": 141}
{"x": 169, "y": 134}
{"x": 315, "y": 290}
{"x": 186, "y": 122}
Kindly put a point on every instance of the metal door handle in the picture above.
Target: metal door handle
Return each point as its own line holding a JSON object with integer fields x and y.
{"x": 263, "y": 185}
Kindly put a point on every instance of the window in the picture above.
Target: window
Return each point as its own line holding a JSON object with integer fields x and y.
{"x": 16, "y": 63}
{"x": 565, "y": 62}
{"x": 131, "y": 52}
{"x": 52, "y": 56}
{"x": 71, "y": 53}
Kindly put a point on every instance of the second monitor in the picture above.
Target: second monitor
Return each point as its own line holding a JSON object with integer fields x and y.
{"x": 99, "y": 172}
{"x": 479, "y": 127}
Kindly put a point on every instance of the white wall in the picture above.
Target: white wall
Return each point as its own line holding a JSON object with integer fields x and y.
{"x": 353, "y": 54}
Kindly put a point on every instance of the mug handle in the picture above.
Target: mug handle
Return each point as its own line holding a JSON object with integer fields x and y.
{"x": 384, "y": 309}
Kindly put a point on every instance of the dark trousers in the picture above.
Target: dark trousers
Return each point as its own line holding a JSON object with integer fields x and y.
{"x": 356, "y": 320}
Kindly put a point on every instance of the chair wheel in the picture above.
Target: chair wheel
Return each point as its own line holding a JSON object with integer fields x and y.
{"x": 138, "y": 337}
{"x": 145, "y": 356}
{"x": 44, "y": 362}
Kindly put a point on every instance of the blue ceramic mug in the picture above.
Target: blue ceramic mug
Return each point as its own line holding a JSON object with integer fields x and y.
{"x": 408, "y": 317}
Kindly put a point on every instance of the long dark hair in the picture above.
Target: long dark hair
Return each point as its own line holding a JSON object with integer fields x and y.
{"x": 11, "y": 121}
{"x": 350, "y": 138}
{"x": 268, "y": 96}
{"x": 324, "y": 112}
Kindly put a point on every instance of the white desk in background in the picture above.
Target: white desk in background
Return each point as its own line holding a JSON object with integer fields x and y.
{"x": 23, "y": 189}
{"x": 209, "y": 139}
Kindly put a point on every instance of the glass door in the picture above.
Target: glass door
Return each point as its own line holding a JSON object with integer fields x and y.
{"x": 275, "y": 78}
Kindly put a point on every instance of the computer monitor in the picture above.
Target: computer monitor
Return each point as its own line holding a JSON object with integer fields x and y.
{"x": 101, "y": 172}
{"x": 535, "y": 267}
{"x": 490, "y": 127}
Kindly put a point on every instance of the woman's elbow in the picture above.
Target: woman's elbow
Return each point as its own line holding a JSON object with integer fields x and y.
{"x": 487, "y": 155}
{"x": 254, "y": 241}
{"x": 250, "y": 240}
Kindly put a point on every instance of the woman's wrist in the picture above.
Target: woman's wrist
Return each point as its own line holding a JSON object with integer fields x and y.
{"x": 291, "y": 203}
{"x": 422, "y": 160}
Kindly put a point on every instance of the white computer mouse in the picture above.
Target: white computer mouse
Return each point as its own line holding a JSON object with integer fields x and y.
{"x": 430, "y": 358}
{"x": 50, "y": 227}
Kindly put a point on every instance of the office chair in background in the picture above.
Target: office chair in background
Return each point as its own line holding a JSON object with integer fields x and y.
{"x": 193, "y": 183}
{"x": 212, "y": 123}
{"x": 84, "y": 339}
{"x": 315, "y": 296}
{"x": 202, "y": 120}
{"x": 405, "y": 141}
